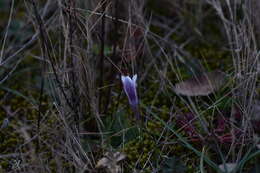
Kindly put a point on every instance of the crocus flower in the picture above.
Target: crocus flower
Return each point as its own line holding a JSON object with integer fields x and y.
{"x": 130, "y": 90}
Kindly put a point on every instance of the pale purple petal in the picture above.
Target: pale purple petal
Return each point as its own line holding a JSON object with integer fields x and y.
{"x": 130, "y": 89}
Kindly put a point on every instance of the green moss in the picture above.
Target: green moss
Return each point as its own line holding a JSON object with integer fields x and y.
{"x": 4, "y": 165}
{"x": 140, "y": 150}
{"x": 211, "y": 57}
{"x": 11, "y": 137}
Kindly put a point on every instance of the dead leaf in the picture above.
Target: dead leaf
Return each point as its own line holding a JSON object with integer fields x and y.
{"x": 202, "y": 85}
{"x": 110, "y": 161}
{"x": 104, "y": 162}
{"x": 228, "y": 167}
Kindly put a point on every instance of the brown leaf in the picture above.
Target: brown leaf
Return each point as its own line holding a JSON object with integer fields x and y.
{"x": 202, "y": 85}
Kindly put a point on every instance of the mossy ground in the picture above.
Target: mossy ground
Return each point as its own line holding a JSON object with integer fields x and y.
{"x": 144, "y": 149}
{"x": 149, "y": 145}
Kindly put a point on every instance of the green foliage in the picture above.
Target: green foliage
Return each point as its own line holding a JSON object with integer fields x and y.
{"x": 120, "y": 129}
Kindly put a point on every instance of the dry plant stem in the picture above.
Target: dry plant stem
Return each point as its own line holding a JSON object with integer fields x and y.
{"x": 243, "y": 47}
{"x": 40, "y": 107}
{"x": 46, "y": 46}
{"x": 72, "y": 75}
{"x": 102, "y": 50}
{"x": 73, "y": 142}
{"x": 256, "y": 14}
{"x": 114, "y": 55}
{"x": 7, "y": 74}
{"x": 12, "y": 54}
{"x": 6, "y": 33}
